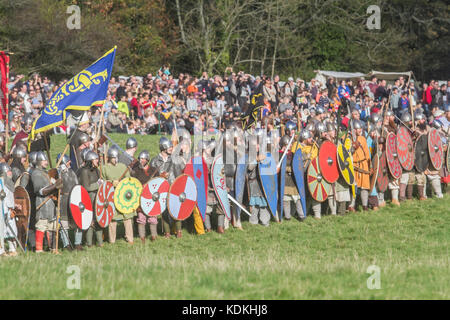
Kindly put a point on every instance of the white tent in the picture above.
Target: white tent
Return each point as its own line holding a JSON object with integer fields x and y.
{"x": 390, "y": 75}
{"x": 322, "y": 75}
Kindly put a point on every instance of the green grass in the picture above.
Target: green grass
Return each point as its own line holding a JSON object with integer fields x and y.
{"x": 315, "y": 259}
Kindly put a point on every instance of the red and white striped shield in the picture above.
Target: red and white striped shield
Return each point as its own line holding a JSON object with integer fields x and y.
{"x": 81, "y": 207}
{"x": 104, "y": 204}
{"x": 154, "y": 196}
{"x": 182, "y": 197}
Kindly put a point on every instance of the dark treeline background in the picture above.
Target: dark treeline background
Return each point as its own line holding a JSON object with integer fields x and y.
{"x": 285, "y": 37}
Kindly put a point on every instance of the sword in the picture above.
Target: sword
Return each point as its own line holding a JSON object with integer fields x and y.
{"x": 285, "y": 151}
{"x": 237, "y": 203}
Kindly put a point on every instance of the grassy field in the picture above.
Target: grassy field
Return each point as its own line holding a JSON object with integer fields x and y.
{"x": 315, "y": 259}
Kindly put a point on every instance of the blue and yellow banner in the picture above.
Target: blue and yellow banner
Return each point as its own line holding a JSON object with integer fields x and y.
{"x": 87, "y": 88}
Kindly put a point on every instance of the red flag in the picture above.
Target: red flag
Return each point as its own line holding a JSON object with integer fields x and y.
{"x": 4, "y": 72}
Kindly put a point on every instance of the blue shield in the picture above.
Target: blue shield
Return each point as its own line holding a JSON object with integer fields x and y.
{"x": 282, "y": 177}
{"x": 239, "y": 181}
{"x": 269, "y": 182}
{"x": 297, "y": 168}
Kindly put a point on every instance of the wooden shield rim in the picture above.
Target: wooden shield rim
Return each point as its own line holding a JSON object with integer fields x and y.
{"x": 374, "y": 177}
{"x": 282, "y": 186}
{"x": 335, "y": 164}
{"x": 95, "y": 206}
{"x": 416, "y": 150}
{"x": 215, "y": 187}
{"x": 395, "y": 160}
{"x": 26, "y": 214}
{"x": 27, "y": 197}
{"x": 274, "y": 214}
{"x": 433, "y": 130}
{"x": 412, "y": 154}
{"x": 136, "y": 203}
{"x": 168, "y": 195}
{"x": 324, "y": 181}
{"x": 143, "y": 187}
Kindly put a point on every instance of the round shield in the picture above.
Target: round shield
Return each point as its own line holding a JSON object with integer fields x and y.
{"x": 318, "y": 187}
{"x": 405, "y": 148}
{"x": 345, "y": 164}
{"x": 126, "y": 195}
{"x": 392, "y": 157}
{"x": 435, "y": 148}
{"x": 375, "y": 165}
{"x": 448, "y": 157}
{"x": 81, "y": 207}
{"x": 382, "y": 177}
{"x": 22, "y": 201}
{"x": 104, "y": 204}
{"x": 154, "y": 196}
{"x": 328, "y": 161}
{"x": 421, "y": 157}
{"x": 182, "y": 197}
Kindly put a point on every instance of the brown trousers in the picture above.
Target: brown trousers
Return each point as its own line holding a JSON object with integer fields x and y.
{"x": 128, "y": 224}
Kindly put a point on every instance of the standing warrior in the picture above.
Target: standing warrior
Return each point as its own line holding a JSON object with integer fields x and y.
{"x": 18, "y": 167}
{"x": 128, "y": 156}
{"x": 43, "y": 188}
{"x": 69, "y": 180}
{"x": 8, "y": 228}
{"x": 407, "y": 178}
{"x": 113, "y": 172}
{"x": 361, "y": 161}
{"x": 89, "y": 177}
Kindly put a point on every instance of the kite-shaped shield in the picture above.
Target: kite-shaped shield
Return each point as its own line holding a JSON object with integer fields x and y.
{"x": 375, "y": 165}
{"x": 405, "y": 148}
{"x": 435, "y": 148}
{"x": 318, "y": 187}
{"x": 392, "y": 156}
{"x": 22, "y": 200}
{"x": 219, "y": 185}
{"x": 268, "y": 176}
{"x": 182, "y": 197}
{"x": 198, "y": 170}
{"x": 239, "y": 181}
{"x": 328, "y": 161}
{"x": 154, "y": 196}
{"x": 421, "y": 159}
{"x": 81, "y": 207}
{"x": 383, "y": 177}
{"x": 104, "y": 204}
{"x": 282, "y": 183}
{"x": 345, "y": 163}
{"x": 127, "y": 194}
{"x": 299, "y": 175}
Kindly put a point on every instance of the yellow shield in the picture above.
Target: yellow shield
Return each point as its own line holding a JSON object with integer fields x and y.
{"x": 345, "y": 162}
{"x": 127, "y": 195}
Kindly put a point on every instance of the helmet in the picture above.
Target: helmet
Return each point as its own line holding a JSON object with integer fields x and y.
{"x": 389, "y": 113}
{"x": 131, "y": 143}
{"x": 320, "y": 127}
{"x": 90, "y": 155}
{"x": 419, "y": 116}
{"x": 183, "y": 134}
{"x": 27, "y": 120}
{"x": 164, "y": 144}
{"x": 82, "y": 138}
{"x": 331, "y": 126}
{"x": 41, "y": 156}
{"x": 84, "y": 152}
{"x": 32, "y": 157}
{"x": 305, "y": 134}
{"x": 406, "y": 117}
{"x": 144, "y": 155}
{"x": 291, "y": 125}
{"x": 374, "y": 118}
{"x": 310, "y": 127}
{"x": 320, "y": 110}
{"x": 437, "y": 124}
{"x": 284, "y": 141}
{"x": 113, "y": 152}
{"x": 357, "y": 124}
{"x": 65, "y": 159}
{"x": 19, "y": 152}
{"x": 4, "y": 168}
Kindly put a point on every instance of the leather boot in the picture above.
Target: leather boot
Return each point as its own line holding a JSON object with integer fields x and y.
{"x": 409, "y": 191}
{"x": 220, "y": 230}
{"x": 396, "y": 202}
{"x": 153, "y": 238}
{"x": 143, "y": 240}
{"x": 421, "y": 190}
{"x": 79, "y": 247}
{"x": 167, "y": 235}
{"x": 39, "y": 241}
{"x": 402, "y": 196}
{"x": 365, "y": 208}
{"x": 179, "y": 234}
